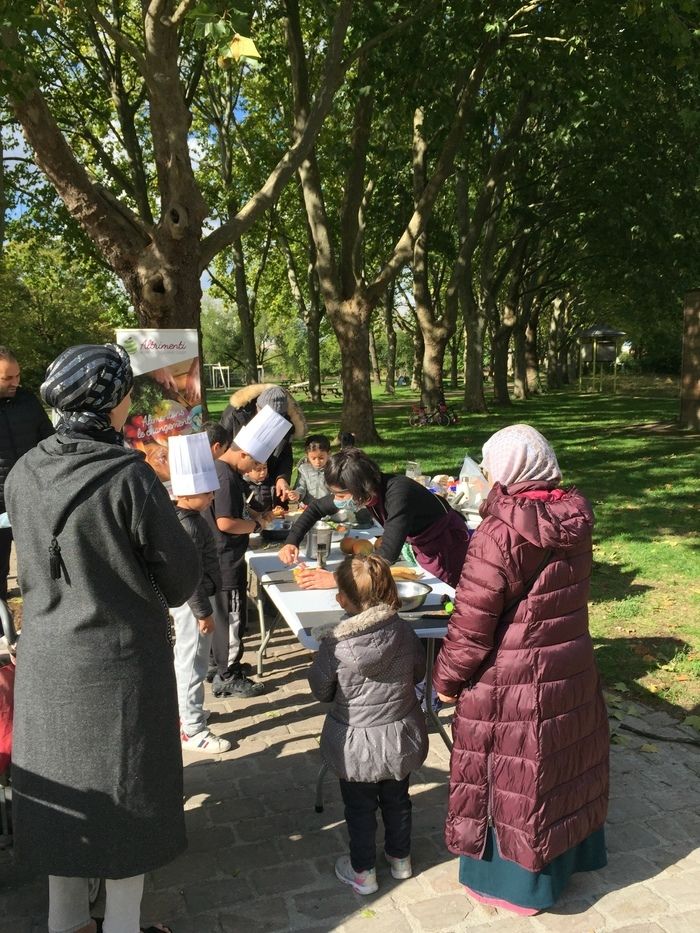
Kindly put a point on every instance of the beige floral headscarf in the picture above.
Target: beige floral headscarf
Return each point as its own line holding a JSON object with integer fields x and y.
{"x": 519, "y": 454}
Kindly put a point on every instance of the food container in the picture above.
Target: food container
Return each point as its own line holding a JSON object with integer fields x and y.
{"x": 320, "y": 537}
{"x": 412, "y": 594}
{"x": 277, "y": 530}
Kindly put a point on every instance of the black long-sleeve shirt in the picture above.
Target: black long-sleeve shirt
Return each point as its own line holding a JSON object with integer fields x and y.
{"x": 404, "y": 508}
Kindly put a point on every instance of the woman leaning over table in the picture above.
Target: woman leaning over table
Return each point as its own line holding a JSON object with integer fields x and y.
{"x": 529, "y": 769}
{"x": 97, "y": 764}
{"x": 406, "y": 510}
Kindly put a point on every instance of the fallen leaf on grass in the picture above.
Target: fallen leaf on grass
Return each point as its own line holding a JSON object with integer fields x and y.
{"x": 648, "y": 747}
{"x": 368, "y": 913}
{"x": 682, "y": 677}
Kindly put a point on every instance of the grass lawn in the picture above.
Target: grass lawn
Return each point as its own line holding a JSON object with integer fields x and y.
{"x": 645, "y": 488}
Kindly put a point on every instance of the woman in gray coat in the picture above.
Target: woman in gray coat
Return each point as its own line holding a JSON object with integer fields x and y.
{"x": 375, "y": 733}
{"x": 97, "y": 766}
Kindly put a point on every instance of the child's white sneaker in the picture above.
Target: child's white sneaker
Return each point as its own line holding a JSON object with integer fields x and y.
{"x": 364, "y": 882}
{"x": 401, "y": 868}
{"x": 205, "y": 741}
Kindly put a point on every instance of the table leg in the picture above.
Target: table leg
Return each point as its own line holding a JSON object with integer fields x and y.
{"x": 264, "y": 636}
{"x": 265, "y": 641}
{"x": 430, "y": 713}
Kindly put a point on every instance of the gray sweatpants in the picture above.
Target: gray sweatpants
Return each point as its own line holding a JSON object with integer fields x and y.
{"x": 69, "y": 905}
{"x": 191, "y": 664}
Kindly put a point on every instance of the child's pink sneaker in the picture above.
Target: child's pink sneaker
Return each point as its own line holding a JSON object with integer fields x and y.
{"x": 364, "y": 882}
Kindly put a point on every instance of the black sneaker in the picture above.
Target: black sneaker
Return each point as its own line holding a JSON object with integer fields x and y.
{"x": 236, "y": 686}
{"x": 238, "y": 669}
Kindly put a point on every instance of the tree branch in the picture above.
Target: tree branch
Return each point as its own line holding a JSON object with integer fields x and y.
{"x": 305, "y": 136}
{"x": 355, "y": 183}
{"x": 180, "y": 13}
{"x": 389, "y": 33}
{"x": 122, "y": 40}
{"x": 403, "y": 249}
{"x": 115, "y": 230}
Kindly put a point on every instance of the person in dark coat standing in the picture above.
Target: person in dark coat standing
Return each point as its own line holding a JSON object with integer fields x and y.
{"x": 23, "y": 423}
{"x": 529, "y": 769}
{"x": 97, "y": 763}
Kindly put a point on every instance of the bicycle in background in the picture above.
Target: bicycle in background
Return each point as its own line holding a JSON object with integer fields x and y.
{"x": 442, "y": 415}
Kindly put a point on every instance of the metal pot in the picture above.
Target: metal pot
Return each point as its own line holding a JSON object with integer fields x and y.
{"x": 320, "y": 535}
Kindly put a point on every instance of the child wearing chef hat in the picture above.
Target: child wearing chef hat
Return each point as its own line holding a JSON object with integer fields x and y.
{"x": 251, "y": 448}
{"x": 194, "y": 480}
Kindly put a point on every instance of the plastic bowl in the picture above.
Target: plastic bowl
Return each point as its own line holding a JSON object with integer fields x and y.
{"x": 412, "y": 594}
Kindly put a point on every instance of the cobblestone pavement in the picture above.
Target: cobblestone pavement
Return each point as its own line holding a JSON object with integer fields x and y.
{"x": 260, "y": 858}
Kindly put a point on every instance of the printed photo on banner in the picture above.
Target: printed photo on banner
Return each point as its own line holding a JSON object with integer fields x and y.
{"x": 167, "y": 393}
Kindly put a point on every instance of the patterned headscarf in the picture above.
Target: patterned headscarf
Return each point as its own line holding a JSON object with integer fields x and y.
{"x": 84, "y": 384}
{"x": 519, "y": 454}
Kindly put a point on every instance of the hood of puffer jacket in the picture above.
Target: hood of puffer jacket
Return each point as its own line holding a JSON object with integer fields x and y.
{"x": 244, "y": 396}
{"x": 368, "y": 638}
{"x": 561, "y": 522}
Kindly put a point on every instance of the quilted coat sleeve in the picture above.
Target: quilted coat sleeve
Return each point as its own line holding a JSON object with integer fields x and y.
{"x": 323, "y": 677}
{"x": 479, "y": 604}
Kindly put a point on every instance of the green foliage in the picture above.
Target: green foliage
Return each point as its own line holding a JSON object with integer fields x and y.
{"x": 49, "y": 301}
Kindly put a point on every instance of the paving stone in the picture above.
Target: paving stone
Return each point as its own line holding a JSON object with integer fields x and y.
{"x": 682, "y": 888}
{"x": 210, "y": 895}
{"x": 635, "y": 903}
{"x": 17, "y": 926}
{"x": 202, "y": 923}
{"x": 443, "y": 878}
{"x": 630, "y": 808}
{"x": 503, "y": 923}
{"x": 687, "y": 922}
{"x": 393, "y": 921}
{"x": 267, "y": 915}
{"x": 576, "y": 916}
{"x": 161, "y": 906}
{"x": 326, "y": 843}
{"x": 250, "y": 856}
{"x": 235, "y": 809}
{"x": 630, "y": 837}
{"x": 190, "y": 866}
{"x": 641, "y": 928}
{"x": 283, "y": 878}
{"x": 252, "y": 829}
{"x": 440, "y": 913}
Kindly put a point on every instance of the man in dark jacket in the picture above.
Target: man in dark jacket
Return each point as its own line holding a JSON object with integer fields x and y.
{"x": 23, "y": 423}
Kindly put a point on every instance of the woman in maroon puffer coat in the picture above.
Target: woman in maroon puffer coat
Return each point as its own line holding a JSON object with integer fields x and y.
{"x": 529, "y": 769}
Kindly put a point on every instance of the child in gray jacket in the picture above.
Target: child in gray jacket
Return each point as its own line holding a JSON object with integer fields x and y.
{"x": 375, "y": 733}
{"x": 311, "y": 483}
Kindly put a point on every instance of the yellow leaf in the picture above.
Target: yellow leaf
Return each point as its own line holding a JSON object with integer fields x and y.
{"x": 242, "y": 46}
{"x": 648, "y": 747}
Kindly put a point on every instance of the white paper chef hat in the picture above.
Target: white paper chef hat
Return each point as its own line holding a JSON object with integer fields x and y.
{"x": 192, "y": 468}
{"x": 262, "y": 434}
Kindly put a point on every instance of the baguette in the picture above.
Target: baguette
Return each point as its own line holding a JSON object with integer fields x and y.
{"x": 405, "y": 573}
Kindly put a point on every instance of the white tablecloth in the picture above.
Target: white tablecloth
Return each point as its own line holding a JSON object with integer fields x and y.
{"x": 292, "y": 602}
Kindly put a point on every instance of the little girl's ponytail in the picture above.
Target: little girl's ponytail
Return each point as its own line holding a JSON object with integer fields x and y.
{"x": 367, "y": 582}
